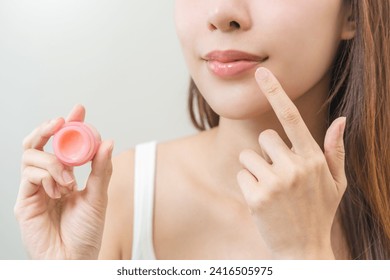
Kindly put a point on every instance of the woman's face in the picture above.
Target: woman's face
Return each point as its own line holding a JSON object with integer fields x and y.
{"x": 225, "y": 41}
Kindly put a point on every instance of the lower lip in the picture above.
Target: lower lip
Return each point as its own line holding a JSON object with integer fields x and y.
{"x": 231, "y": 69}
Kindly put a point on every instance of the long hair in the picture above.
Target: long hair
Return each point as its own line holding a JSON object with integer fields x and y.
{"x": 360, "y": 91}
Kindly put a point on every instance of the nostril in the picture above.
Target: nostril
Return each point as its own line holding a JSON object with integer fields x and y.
{"x": 224, "y": 26}
{"x": 212, "y": 27}
{"x": 234, "y": 24}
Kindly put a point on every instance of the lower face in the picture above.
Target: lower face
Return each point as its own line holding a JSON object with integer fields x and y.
{"x": 297, "y": 40}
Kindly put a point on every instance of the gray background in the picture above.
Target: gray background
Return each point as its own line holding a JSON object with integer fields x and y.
{"x": 120, "y": 58}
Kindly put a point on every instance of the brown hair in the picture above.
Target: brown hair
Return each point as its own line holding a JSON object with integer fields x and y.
{"x": 360, "y": 91}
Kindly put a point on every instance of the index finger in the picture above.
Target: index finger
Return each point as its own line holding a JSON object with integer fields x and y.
{"x": 285, "y": 110}
{"x": 38, "y": 138}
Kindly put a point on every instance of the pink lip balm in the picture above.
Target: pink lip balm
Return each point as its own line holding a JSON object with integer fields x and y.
{"x": 76, "y": 143}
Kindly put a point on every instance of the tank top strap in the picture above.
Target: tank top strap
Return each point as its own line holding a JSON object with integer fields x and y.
{"x": 144, "y": 181}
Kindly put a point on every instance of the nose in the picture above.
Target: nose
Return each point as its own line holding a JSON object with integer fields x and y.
{"x": 229, "y": 15}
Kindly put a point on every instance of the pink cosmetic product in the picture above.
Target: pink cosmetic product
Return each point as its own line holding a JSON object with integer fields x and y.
{"x": 76, "y": 143}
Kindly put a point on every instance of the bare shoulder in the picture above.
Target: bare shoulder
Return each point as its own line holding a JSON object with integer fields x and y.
{"x": 118, "y": 233}
{"x": 180, "y": 195}
{"x": 172, "y": 160}
{"x": 183, "y": 147}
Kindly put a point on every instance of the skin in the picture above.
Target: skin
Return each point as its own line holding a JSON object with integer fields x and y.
{"x": 272, "y": 164}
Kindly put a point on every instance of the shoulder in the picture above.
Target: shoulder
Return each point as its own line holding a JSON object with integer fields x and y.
{"x": 183, "y": 148}
{"x": 118, "y": 233}
{"x": 174, "y": 159}
{"x": 180, "y": 191}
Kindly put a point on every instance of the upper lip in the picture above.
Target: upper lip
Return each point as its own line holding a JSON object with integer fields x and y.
{"x": 232, "y": 56}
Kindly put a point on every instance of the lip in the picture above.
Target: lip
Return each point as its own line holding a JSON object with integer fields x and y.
{"x": 232, "y": 63}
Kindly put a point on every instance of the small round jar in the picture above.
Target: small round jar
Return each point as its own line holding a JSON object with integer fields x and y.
{"x": 76, "y": 143}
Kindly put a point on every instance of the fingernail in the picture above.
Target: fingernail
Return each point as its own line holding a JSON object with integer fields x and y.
{"x": 68, "y": 178}
{"x": 262, "y": 73}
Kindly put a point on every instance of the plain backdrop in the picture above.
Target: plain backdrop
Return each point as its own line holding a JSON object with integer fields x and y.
{"x": 120, "y": 58}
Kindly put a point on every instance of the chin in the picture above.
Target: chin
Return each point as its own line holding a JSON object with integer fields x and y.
{"x": 242, "y": 110}
{"x": 233, "y": 99}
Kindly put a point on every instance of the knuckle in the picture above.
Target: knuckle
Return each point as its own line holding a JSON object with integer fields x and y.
{"x": 344, "y": 182}
{"x": 17, "y": 212}
{"x": 25, "y": 173}
{"x": 25, "y": 157}
{"x": 272, "y": 194}
{"x": 340, "y": 154}
{"x": 336, "y": 150}
{"x": 35, "y": 136}
{"x": 46, "y": 178}
{"x": 256, "y": 201}
{"x": 296, "y": 176}
{"x": 54, "y": 166}
{"x": 260, "y": 201}
{"x": 275, "y": 182}
{"x": 290, "y": 115}
{"x": 299, "y": 173}
{"x": 28, "y": 140}
{"x": 316, "y": 163}
{"x": 52, "y": 163}
{"x": 292, "y": 175}
{"x": 273, "y": 89}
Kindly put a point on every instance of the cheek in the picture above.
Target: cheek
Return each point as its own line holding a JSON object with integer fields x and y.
{"x": 304, "y": 50}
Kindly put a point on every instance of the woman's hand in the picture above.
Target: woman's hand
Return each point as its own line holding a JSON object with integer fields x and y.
{"x": 294, "y": 193}
{"x": 57, "y": 221}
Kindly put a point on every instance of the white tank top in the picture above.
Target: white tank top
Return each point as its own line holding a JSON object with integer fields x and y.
{"x": 144, "y": 180}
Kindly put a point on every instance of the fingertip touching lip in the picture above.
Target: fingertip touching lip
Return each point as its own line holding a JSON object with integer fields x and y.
{"x": 230, "y": 64}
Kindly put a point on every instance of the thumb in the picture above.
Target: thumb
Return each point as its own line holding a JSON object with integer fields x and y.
{"x": 99, "y": 178}
{"x": 335, "y": 152}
